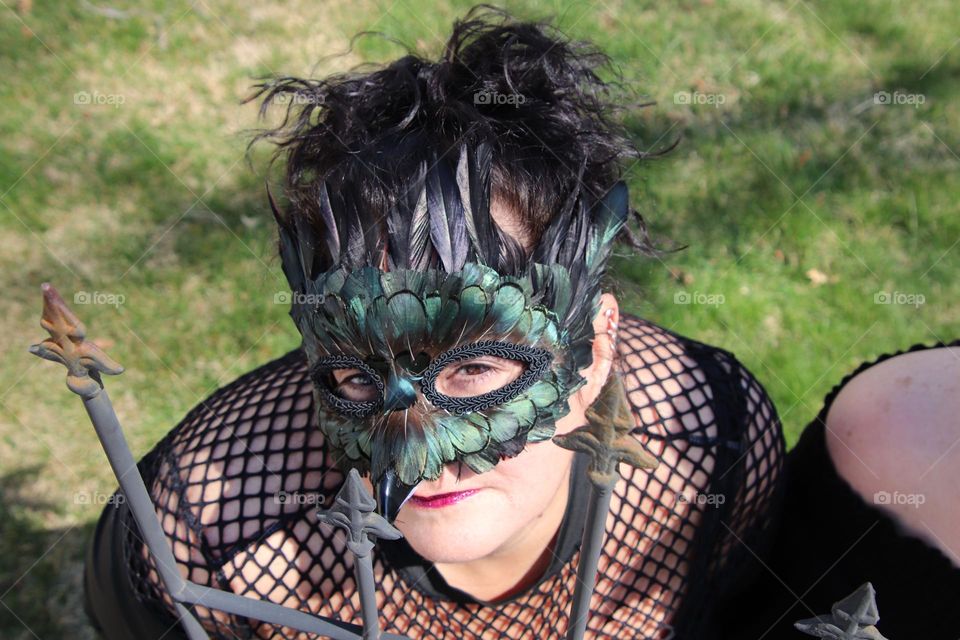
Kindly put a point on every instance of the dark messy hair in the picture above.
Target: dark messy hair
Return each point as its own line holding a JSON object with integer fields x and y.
{"x": 522, "y": 87}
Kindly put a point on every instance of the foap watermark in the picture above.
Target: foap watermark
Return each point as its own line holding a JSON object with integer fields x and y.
{"x": 99, "y": 297}
{"x": 698, "y": 297}
{"x": 294, "y": 98}
{"x": 496, "y": 97}
{"x": 699, "y": 98}
{"x": 99, "y": 498}
{"x": 899, "y": 98}
{"x": 95, "y": 98}
{"x": 299, "y": 498}
{"x": 700, "y": 498}
{"x": 913, "y": 499}
{"x": 899, "y": 297}
{"x": 298, "y": 297}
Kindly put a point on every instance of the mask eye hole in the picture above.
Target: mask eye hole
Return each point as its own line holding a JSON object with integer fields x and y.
{"x": 478, "y": 375}
{"x": 348, "y": 385}
{"x": 483, "y": 374}
{"x": 354, "y": 385}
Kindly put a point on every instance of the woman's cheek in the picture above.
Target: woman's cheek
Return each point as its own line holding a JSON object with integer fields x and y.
{"x": 534, "y": 476}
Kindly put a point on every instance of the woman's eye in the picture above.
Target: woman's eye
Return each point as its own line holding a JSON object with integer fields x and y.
{"x": 474, "y": 369}
{"x": 476, "y": 377}
{"x": 354, "y": 385}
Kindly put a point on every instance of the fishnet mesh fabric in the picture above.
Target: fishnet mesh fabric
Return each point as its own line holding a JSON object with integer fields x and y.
{"x": 237, "y": 482}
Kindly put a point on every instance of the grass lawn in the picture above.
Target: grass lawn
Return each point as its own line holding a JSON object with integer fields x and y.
{"x": 817, "y": 216}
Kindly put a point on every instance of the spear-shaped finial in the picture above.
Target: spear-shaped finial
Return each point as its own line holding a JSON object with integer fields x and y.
{"x": 67, "y": 345}
{"x": 85, "y": 362}
{"x": 354, "y": 513}
{"x": 852, "y": 618}
{"x": 607, "y": 439}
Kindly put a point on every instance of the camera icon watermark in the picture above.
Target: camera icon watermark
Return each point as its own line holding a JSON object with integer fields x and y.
{"x": 299, "y": 498}
{"x": 899, "y": 297}
{"x": 699, "y": 297}
{"x": 912, "y": 499}
{"x": 496, "y": 97}
{"x": 700, "y": 498}
{"x": 99, "y": 297}
{"x": 899, "y": 98}
{"x": 95, "y": 98}
{"x": 99, "y": 498}
{"x": 699, "y": 98}
{"x": 299, "y": 298}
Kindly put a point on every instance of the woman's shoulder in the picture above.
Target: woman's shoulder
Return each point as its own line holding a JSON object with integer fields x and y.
{"x": 243, "y": 418}
{"x": 716, "y": 434}
{"x": 687, "y": 388}
{"x": 836, "y": 533}
{"x": 250, "y": 451}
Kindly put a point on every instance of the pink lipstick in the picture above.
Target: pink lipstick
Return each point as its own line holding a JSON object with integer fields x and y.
{"x": 441, "y": 499}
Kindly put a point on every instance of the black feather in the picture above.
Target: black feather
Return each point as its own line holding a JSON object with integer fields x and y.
{"x": 301, "y": 257}
{"x": 331, "y": 232}
{"x": 473, "y": 178}
{"x": 419, "y": 221}
{"x": 448, "y": 230}
{"x": 289, "y": 255}
{"x": 557, "y": 233}
{"x": 352, "y": 241}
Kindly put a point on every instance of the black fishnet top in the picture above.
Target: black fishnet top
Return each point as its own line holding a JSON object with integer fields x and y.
{"x": 237, "y": 482}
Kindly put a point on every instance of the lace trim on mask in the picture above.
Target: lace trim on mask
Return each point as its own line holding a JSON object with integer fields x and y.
{"x": 538, "y": 362}
{"x": 537, "y": 359}
{"x": 350, "y": 408}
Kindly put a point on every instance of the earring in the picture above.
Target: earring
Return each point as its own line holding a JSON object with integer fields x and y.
{"x": 612, "y": 328}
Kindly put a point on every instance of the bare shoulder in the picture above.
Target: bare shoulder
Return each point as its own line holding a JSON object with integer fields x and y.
{"x": 892, "y": 433}
{"x": 894, "y": 400}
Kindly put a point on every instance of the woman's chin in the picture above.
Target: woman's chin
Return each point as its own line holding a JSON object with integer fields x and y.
{"x": 449, "y": 534}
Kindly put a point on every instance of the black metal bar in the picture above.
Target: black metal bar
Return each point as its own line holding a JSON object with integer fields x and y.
{"x": 353, "y": 511}
{"x": 121, "y": 461}
{"x": 607, "y": 439}
{"x": 193, "y": 628}
{"x": 131, "y": 483}
{"x": 84, "y": 362}
{"x": 368, "y": 598}
{"x": 597, "y": 509}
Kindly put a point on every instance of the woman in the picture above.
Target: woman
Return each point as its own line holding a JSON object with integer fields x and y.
{"x": 446, "y": 237}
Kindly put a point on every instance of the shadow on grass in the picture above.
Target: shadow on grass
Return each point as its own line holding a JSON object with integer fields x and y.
{"x": 41, "y": 568}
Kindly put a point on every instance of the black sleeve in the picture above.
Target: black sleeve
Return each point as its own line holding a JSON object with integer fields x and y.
{"x": 830, "y": 540}
{"x": 754, "y": 479}
{"x": 109, "y": 597}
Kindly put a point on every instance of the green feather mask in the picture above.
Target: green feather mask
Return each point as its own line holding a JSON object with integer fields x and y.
{"x": 453, "y": 291}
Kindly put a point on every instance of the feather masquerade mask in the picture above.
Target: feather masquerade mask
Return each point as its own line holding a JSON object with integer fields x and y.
{"x": 399, "y": 339}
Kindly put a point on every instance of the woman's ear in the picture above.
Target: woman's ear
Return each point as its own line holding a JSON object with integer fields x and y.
{"x": 605, "y": 329}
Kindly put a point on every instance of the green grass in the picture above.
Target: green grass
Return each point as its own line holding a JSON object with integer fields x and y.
{"x": 799, "y": 198}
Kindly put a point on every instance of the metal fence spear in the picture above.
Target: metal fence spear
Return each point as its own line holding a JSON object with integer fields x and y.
{"x": 85, "y": 361}
{"x": 354, "y": 513}
{"x": 607, "y": 440}
{"x": 852, "y": 618}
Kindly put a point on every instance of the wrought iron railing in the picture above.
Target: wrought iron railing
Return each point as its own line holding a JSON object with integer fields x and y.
{"x": 606, "y": 440}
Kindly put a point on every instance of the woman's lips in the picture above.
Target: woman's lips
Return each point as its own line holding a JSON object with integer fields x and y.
{"x": 441, "y": 499}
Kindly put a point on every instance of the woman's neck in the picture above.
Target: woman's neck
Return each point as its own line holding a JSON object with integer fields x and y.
{"x": 517, "y": 565}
